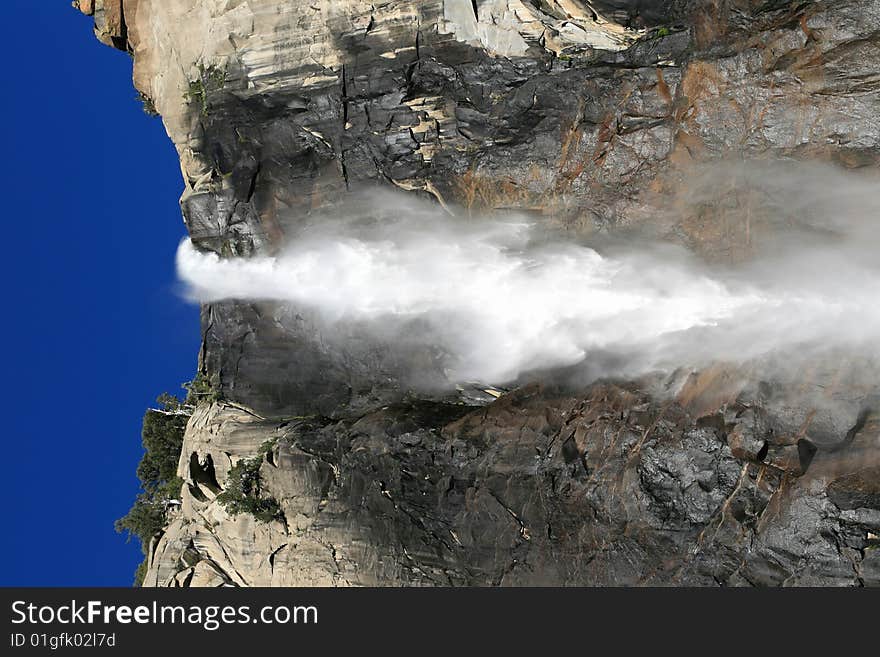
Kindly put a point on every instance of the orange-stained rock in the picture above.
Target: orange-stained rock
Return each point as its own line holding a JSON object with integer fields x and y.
{"x": 86, "y": 6}
{"x": 110, "y": 24}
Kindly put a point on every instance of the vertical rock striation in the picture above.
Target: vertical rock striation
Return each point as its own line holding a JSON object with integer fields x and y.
{"x": 589, "y": 116}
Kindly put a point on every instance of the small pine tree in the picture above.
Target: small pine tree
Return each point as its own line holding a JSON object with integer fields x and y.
{"x": 243, "y": 492}
{"x": 162, "y": 437}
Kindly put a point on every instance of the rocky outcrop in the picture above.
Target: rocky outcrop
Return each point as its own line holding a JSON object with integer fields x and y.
{"x": 541, "y": 487}
{"x": 587, "y": 115}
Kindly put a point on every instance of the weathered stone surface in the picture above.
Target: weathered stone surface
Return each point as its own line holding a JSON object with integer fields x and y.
{"x": 589, "y": 123}
{"x": 540, "y": 487}
{"x": 85, "y": 6}
{"x": 278, "y": 110}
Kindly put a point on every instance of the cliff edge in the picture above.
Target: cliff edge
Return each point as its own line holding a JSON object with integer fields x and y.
{"x": 306, "y": 460}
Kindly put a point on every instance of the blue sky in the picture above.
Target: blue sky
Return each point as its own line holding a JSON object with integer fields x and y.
{"x": 93, "y": 327}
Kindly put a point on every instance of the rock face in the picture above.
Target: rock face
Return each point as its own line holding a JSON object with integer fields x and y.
{"x": 541, "y": 487}
{"x": 588, "y": 115}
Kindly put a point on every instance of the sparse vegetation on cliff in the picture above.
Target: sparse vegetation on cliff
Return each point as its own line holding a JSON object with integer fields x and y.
{"x": 162, "y": 437}
{"x": 211, "y": 78}
{"x": 148, "y": 105}
{"x": 201, "y": 388}
{"x": 243, "y": 493}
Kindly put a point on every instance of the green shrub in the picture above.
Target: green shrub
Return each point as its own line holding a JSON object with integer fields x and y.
{"x": 201, "y": 388}
{"x": 211, "y": 78}
{"x": 243, "y": 492}
{"x": 147, "y": 102}
{"x": 140, "y": 572}
{"x": 162, "y": 437}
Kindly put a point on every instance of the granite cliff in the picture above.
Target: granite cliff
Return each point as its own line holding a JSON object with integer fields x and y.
{"x": 591, "y": 117}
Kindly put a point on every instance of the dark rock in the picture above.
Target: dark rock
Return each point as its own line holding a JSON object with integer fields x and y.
{"x": 747, "y": 440}
{"x": 854, "y": 490}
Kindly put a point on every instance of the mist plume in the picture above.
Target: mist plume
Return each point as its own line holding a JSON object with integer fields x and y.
{"x": 501, "y": 298}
